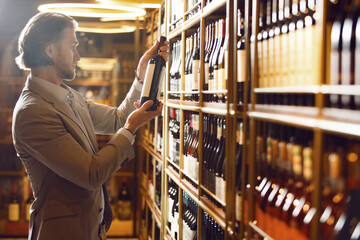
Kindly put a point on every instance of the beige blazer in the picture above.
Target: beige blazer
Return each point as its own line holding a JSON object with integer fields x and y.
{"x": 63, "y": 163}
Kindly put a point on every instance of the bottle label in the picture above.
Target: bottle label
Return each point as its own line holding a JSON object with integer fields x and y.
{"x": 307, "y": 162}
{"x": 265, "y": 60}
{"x": 195, "y": 85}
{"x": 223, "y": 190}
{"x": 211, "y": 84}
{"x": 345, "y": 67}
{"x": 14, "y": 212}
{"x": 218, "y": 185}
{"x": 271, "y": 65}
{"x": 335, "y": 166}
{"x": 221, "y": 79}
{"x": 296, "y": 159}
{"x": 216, "y": 79}
{"x": 277, "y": 59}
{"x": 226, "y": 65}
{"x": 285, "y": 58}
{"x": 206, "y": 73}
{"x": 292, "y": 56}
{"x": 196, "y": 170}
{"x": 238, "y": 207}
{"x": 300, "y": 62}
{"x": 241, "y": 58}
{"x": 148, "y": 80}
{"x": 260, "y": 61}
{"x": 357, "y": 62}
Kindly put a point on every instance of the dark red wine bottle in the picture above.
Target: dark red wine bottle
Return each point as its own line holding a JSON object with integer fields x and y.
{"x": 154, "y": 77}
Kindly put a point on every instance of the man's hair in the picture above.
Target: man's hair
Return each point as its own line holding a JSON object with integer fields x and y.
{"x": 41, "y": 30}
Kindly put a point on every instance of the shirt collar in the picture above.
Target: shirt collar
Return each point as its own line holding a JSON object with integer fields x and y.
{"x": 60, "y": 93}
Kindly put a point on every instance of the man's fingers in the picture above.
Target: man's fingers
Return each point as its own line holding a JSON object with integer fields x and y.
{"x": 153, "y": 49}
{"x": 147, "y": 104}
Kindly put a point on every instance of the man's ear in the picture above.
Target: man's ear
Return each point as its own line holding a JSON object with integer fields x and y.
{"x": 49, "y": 51}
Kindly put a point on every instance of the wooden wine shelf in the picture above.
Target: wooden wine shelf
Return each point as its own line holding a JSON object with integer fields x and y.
{"x": 210, "y": 108}
{"x": 193, "y": 8}
{"x": 173, "y": 102}
{"x": 298, "y": 121}
{"x": 173, "y": 175}
{"x": 342, "y": 115}
{"x": 216, "y": 213}
{"x": 183, "y": 184}
{"x": 343, "y": 128}
{"x": 174, "y": 33}
{"x": 340, "y": 121}
{"x": 191, "y": 179}
{"x": 173, "y": 164}
{"x": 192, "y": 21}
{"x": 212, "y": 195}
{"x": 260, "y": 231}
{"x": 291, "y": 89}
{"x": 157, "y": 214}
{"x": 151, "y": 151}
{"x": 189, "y": 189}
{"x": 190, "y": 107}
{"x": 146, "y": 141}
{"x": 302, "y": 111}
{"x": 340, "y": 89}
{"x": 152, "y": 206}
{"x": 213, "y": 7}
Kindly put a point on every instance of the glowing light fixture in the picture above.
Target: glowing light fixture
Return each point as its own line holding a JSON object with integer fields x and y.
{"x": 118, "y": 19}
{"x": 134, "y": 3}
{"x": 105, "y": 27}
{"x": 126, "y": 29}
{"x": 93, "y": 10}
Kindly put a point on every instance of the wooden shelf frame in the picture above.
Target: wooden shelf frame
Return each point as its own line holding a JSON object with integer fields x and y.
{"x": 230, "y": 110}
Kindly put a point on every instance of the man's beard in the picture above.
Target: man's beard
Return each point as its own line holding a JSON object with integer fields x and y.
{"x": 69, "y": 76}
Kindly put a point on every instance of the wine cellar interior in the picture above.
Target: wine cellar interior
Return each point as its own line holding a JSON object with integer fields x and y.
{"x": 259, "y": 136}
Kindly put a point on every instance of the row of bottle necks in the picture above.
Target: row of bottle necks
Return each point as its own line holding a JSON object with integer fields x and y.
{"x": 210, "y": 229}
{"x": 215, "y": 64}
{"x": 285, "y": 183}
{"x": 284, "y": 170}
{"x": 289, "y": 47}
{"x": 176, "y": 15}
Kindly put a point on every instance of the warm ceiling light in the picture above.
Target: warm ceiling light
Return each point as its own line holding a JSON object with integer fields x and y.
{"x": 133, "y": 3}
{"x": 150, "y": 5}
{"x": 93, "y": 10}
{"x": 118, "y": 19}
{"x": 94, "y": 27}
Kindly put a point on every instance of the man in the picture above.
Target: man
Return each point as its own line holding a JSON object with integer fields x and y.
{"x": 54, "y": 133}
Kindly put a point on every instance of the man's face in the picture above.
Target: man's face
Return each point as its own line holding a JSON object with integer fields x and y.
{"x": 66, "y": 55}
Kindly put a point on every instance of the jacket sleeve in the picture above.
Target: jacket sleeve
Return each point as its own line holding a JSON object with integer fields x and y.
{"x": 108, "y": 120}
{"x": 42, "y": 134}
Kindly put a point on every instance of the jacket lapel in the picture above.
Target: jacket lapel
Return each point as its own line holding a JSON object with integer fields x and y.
{"x": 64, "y": 108}
{"x": 87, "y": 123}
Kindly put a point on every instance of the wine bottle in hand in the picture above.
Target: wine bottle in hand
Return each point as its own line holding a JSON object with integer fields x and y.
{"x": 154, "y": 77}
